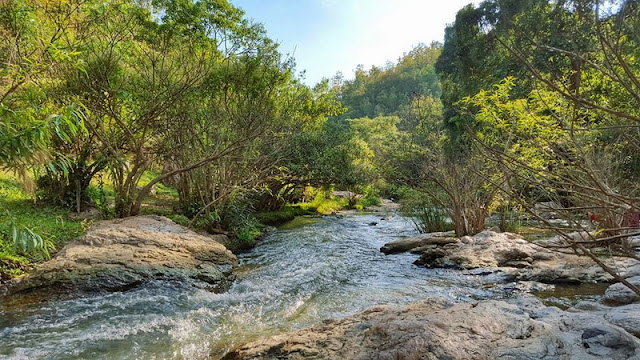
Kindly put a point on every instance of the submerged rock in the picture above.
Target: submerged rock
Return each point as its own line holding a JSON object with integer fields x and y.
{"x": 434, "y": 329}
{"x": 123, "y": 253}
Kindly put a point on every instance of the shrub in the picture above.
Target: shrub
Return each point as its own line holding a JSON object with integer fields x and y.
{"x": 425, "y": 216}
{"x": 371, "y": 197}
{"x": 322, "y": 201}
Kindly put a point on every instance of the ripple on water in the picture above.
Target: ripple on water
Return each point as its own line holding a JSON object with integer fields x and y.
{"x": 295, "y": 277}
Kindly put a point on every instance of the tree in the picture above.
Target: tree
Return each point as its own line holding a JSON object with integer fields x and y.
{"x": 571, "y": 138}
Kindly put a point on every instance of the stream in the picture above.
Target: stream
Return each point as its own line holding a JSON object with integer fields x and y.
{"x": 307, "y": 271}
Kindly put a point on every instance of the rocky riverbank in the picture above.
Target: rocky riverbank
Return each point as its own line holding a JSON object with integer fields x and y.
{"x": 509, "y": 254}
{"x": 123, "y": 253}
{"x": 521, "y": 328}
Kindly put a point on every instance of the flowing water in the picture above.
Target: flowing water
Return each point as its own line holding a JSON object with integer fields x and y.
{"x": 297, "y": 276}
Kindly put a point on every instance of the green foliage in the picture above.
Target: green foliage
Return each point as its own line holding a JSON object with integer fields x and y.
{"x": 179, "y": 219}
{"x": 322, "y": 202}
{"x": 387, "y": 91}
{"x": 426, "y": 216}
{"x": 25, "y": 241}
{"x": 371, "y": 197}
{"x": 30, "y": 232}
{"x": 237, "y": 216}
{"x": 281, "y": 216}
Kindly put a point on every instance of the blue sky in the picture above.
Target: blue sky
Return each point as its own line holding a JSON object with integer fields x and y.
{"x": 326, "y": 36}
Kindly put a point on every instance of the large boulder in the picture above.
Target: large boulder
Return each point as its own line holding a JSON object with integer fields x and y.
{"x": 433, "y": 329}
{"x": 123, "y": 253}
{"x": 487, "y": 249}
{"x": 516, "y": 257}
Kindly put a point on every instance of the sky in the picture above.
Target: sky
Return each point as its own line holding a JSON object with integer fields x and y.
{"x": 327, "y": 36}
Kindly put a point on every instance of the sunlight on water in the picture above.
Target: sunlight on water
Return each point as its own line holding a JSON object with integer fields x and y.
{"x": 296, "y": 277}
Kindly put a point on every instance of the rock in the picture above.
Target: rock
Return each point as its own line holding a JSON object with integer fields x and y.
{"x": 562, "y": 241}
{"x": 489, "y": 249}
{"x": 89, "y": 213}
{"x": 631, "y": 271}
{"x": 386, "y": 205}
{"x": 433, "y": 329}
{"x": 619, "y": 294}
{"x": 373, "y": 223}
{"x": 123, "y": 253}
{"x": 546, "y": 210}
{"x": 627, "y": 317}
{"x": 586, "y": 305}
{"x": 525, "y": 287}
{"x": 439, "y": 238}
{"x": 517, "y": 258}
{"x": 634, "y": 241}
{"x": 568, "y": 269}
{"x": 345, "y": 194}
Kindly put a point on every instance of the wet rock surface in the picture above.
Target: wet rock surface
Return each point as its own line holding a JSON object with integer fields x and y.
{"x": 121, "y": 254}
{"x": 522, "y": 328}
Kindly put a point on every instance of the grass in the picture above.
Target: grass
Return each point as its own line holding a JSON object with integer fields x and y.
{"x": 51, "y": 223}
{"x": 282, "y": 216}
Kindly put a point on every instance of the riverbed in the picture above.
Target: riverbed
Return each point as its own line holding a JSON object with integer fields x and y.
{"x": 301, "y": 274}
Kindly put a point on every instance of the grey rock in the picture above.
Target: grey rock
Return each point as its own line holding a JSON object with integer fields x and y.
{"x": 619, "y": 294}
{"x": 434, "y": 329}
{"x": 631, "y": 271}
{"x": 517, "y": 258}
{"x": 409, "y": 244}
{"x": 627, "y": 317}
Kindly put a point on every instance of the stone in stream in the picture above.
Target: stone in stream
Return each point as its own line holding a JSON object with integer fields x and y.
{"x": 515, "y": 257}
{"x": 410, "y": 244}
{"x": 619, "y": 294}
{"x": 123, "y": 253}
{"x": 433, "y": 329}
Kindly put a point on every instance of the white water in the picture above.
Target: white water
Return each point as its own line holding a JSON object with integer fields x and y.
{"x": 294, "y": 278}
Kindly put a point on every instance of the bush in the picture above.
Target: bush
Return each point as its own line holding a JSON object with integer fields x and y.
{"x": 100, "y": 197}
{"x": 371, "y": 197}
{"x": 426, "y": 217}
{"x": 237, "y": 217}
{"x": 322, "y": 202}
{"x": 281, "y": 216}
